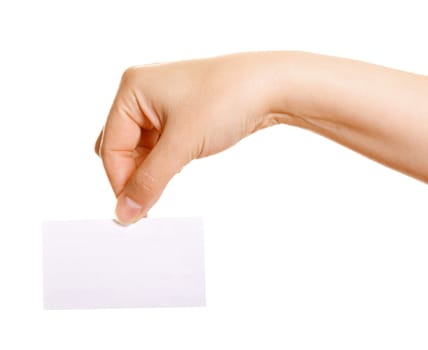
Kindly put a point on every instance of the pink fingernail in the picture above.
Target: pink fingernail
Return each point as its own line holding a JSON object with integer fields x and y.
{"x": 127, "y": 210}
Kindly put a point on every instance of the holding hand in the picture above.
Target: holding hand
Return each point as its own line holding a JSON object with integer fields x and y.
{"x": 166, "y": 115}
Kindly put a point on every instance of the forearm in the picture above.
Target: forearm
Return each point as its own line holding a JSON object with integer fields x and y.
{"x": 376, "y": 111}
{"x": 166, "y": 115}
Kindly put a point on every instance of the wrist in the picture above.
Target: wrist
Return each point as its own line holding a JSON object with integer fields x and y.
{"x": 281, "y": 92}
{"x": 299, "y": 90}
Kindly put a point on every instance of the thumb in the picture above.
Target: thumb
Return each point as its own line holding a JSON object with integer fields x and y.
{"x": 147, "y": 183}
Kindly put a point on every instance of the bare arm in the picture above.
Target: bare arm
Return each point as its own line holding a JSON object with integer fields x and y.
{"x": 166, "y": 115}
{"x": 379, "y": 112}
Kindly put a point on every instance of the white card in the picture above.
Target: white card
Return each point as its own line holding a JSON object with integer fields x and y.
{"x": 100, "y": 264}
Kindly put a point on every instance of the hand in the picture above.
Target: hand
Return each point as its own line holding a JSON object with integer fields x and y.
{"x": 166, "y": 115}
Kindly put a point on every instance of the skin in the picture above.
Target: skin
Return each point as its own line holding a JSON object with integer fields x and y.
{"x": 166, "y": 115}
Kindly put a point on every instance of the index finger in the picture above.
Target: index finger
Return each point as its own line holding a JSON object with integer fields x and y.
{"x": 131, "y": 118}
{"x": 120, "y": 138}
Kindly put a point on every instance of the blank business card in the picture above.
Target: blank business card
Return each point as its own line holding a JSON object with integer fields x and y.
{"x": 100, "y": 264}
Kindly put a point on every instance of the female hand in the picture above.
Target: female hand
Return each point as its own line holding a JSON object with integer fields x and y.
{"x": 166, "y": 115}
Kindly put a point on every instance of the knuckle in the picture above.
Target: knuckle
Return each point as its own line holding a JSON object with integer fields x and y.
{"x": 129, "y": 75}
{"x": 143, "y": 181}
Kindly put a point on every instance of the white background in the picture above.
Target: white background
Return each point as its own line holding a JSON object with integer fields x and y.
{"x": 308, "y": 245}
